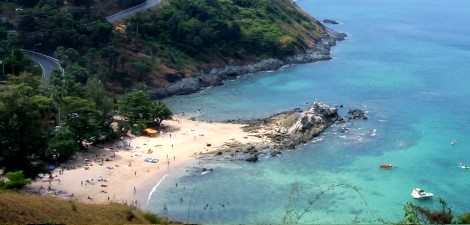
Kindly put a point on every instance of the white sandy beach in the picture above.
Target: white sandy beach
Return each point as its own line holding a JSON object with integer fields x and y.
{"x": 118, "y": 173}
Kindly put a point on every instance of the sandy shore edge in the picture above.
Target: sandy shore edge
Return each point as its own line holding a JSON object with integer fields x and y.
{"x": 118, "y": 172}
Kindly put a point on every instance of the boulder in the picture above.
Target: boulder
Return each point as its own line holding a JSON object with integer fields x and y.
{"x": 311, "y": 123}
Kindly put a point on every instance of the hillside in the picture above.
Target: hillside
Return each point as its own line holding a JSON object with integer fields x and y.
{"x": 19, "y": 208}
{"x": 161, "y": 47}
{"x": 182, "y": 39}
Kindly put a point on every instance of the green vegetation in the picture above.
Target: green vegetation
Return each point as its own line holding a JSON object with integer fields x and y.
{"x": 53, "y": 121}
{"x": 200, "y": 32}
{"x": 180, "y": 38}
{"x": 42, "y": 124}
{"x": 14, "y": 180}
{"x": 415, "y": 214}
{"x": 22, "y": 208}
{"x": 142, "y": 112}
{"x": 46, "y": 124}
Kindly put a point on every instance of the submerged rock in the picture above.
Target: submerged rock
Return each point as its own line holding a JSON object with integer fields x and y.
{"x": 253, "y": 159}
{"x": 330, "y": 21}
{"x": 357, "y": 114}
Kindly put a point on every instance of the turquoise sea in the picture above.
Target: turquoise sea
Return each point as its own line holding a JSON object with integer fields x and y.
{"x": 407, "y": 63}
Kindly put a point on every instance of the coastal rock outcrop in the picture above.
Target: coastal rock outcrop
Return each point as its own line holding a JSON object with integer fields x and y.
{"x": 216, "y": 76}
{"x": 286, "y": 130}
{"x": 298, "y": 127}
{"x": 281, "y": 131}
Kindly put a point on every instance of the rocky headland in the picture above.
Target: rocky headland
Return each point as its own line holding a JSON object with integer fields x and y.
{"x": 216, "y": 76}
{"x": 284, "y": 131}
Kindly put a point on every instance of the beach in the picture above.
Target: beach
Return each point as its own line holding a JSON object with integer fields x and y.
{"x": 123, "y": 171}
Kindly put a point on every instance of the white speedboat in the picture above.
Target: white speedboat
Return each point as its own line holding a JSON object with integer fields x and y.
{"x": 463, "y": 166}
{"x": 418, "y": 193}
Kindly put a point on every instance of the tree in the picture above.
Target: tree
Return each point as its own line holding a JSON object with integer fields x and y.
{"x": 141, "y": 111}
{"x": 81, "y": 118}
{"x": 25, "y": 119}
{"x": 15, "y": 180}
{"x": 62, "y": 145}
{"x": 160, "y": 113}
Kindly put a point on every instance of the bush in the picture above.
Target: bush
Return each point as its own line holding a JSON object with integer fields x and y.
{"x": 152, "y": 218}
{"x": 15, "y": 180}
{"x": 465, "y": 218}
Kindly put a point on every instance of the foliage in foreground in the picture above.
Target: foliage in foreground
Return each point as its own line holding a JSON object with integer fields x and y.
{"x": 14, "y": 180}
{"x": 415, "y": 214}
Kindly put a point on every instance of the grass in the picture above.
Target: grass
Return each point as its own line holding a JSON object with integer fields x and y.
{"x": 23, "y": 208}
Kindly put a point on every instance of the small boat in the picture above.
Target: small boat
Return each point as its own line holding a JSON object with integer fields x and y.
{"x": 465, "y": 167}
{"x": 418, "y": 193}
{"x": 386, "y": 166}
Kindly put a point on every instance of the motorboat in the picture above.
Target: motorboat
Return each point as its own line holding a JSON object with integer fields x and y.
{"x": 418, "y": 193}
{"x": 386, "y": 166}
{"x": 463, "y": 166}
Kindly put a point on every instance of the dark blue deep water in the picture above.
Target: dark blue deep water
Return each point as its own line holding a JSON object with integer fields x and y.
{"x": 407, "y": 63}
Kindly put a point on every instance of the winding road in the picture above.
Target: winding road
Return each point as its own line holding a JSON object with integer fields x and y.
{"x": 119, "y": 16}
{"x": 49, "y": 64}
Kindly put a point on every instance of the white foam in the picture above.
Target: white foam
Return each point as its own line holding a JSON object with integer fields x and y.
{"x": 155, "y": 188}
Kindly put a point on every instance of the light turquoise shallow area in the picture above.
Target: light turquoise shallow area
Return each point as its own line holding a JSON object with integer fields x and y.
{"x": 408, "y": 63}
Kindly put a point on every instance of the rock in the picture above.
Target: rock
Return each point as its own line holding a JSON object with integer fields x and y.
{"x": 275, "y": 153}
{"x": 184, "y": 86}
{"x": 252, "y": 158}
{"x": 357, "y": 114}
{"x": 210, "y": 80}
{"x": 215, "y": 77}
{"x": 330, "y": 21}
{"x": 207, "y": 170}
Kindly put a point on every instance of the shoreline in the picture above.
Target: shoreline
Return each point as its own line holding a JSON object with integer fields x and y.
{"x": 216, "y": 76}
{"x": 117, "y": 172}
{"x": 126, "y": 170}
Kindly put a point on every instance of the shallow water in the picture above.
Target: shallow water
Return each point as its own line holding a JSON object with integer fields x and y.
{"x": 407, "y": 63}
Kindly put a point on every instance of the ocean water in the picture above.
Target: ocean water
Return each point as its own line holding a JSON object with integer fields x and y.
{"x": 407, "y": 63}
